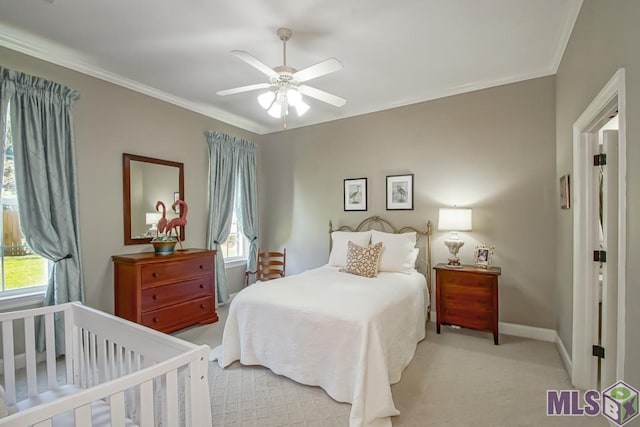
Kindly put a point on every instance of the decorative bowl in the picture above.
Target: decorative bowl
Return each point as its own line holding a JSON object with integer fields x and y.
{"x": 164, "y": 247}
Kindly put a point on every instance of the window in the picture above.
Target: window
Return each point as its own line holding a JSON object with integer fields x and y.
{"x": 22, "y": 270}
{"x": 235, "y": 247}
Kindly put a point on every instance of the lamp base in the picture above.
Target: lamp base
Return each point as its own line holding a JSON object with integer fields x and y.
{"x": 454, "y": 244}
{"x": 454, "y": 263}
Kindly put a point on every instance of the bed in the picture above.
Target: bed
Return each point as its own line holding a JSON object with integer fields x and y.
{"x": 351, "y": 335}
{"x": 114, "y": 372}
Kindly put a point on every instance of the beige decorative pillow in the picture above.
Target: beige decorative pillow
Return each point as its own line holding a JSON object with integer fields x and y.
{"x": 363, "y": 261}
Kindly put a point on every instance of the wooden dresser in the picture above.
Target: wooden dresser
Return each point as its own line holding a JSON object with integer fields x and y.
{"x": 467, "y": 297}
{"x": 166, "y": 292}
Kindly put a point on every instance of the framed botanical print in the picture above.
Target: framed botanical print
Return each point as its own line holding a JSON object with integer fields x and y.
{"x": 400, "y": 192}
{"x": 355, "y": 194}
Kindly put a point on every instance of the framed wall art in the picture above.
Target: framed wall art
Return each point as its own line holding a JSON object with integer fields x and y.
{"x": 565, "y": 192}
{"x": 355, "y": 194}
{"x": 400, "y": 192}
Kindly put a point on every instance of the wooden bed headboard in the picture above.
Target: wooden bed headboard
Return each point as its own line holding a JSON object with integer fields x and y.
{"x": 381, "y": 224}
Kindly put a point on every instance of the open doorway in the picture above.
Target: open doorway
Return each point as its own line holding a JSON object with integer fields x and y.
{"x": 599, "y": 254}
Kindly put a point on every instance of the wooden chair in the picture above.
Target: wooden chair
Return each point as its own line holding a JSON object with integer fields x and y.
{"x": 270, "y": 265}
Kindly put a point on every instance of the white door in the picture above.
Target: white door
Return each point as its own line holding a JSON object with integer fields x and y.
{"x": 609, "y": 220}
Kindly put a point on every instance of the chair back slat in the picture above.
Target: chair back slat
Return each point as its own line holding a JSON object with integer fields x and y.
{"x": 270, "y": 265}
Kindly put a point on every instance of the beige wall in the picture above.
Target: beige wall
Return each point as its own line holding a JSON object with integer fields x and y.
{"x": 493, "y": 150}
{"x": 604, "y": 39}
{"x": 110, "y": 120}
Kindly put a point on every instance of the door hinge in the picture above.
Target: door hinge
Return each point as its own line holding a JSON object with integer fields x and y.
{"x": 599, "y": 160}
{"x": 598, "y": 351}
{"x": 600, "y": 256}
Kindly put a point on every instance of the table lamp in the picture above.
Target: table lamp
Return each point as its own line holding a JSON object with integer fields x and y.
{"x": 454, "y": 220}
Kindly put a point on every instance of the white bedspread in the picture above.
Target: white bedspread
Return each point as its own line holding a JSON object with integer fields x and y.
{"x": 350, "y": 335}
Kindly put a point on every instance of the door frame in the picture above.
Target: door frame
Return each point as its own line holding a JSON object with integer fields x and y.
{"x": 585, "y": 322}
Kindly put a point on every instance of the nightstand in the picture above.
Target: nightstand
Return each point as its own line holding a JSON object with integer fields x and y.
{"x": 467, "y": 297}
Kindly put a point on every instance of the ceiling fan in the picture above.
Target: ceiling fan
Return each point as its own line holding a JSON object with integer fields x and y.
{"x": 284, "y": 87}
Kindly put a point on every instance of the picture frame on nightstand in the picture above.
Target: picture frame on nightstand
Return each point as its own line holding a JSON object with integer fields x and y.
{"x": 483, "y": 255}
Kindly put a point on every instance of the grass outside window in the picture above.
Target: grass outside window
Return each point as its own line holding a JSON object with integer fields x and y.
{"x": 24, "y": 271}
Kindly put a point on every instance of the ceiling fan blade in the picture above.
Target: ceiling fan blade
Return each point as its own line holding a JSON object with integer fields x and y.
{"x": 322, "y": 95}
{"x": 243, "y": 89}
{"x": 320, "y": 69}
{"x": 255, "y": 63}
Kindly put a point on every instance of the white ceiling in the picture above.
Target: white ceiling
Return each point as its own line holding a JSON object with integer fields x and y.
{"x": 394, "y": 52}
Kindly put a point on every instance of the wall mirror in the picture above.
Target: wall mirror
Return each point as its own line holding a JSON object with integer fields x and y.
{"x": 145, "y": 181}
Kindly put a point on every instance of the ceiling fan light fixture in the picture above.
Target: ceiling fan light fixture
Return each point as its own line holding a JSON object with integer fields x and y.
{"x": 275, "y": 110}
{"x": 284, "y": 89}
{"x": 266, "y": 99}
{"x": 295, "y": 100}
{"x": 301, "y": 107}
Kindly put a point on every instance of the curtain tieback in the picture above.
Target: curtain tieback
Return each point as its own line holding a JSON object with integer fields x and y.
{"x": 254, "y": 239}
{"x": 67, "y": 256}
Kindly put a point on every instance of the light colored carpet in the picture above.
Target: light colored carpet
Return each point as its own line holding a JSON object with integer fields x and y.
{"x": 457, "y": 378}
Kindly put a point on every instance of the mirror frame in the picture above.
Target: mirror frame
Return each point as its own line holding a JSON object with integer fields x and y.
{"x": 126, "y": 191}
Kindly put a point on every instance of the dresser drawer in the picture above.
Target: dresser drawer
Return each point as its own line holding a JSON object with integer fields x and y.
{"x": 174, "y": 317}
{"x": 175, "y": 293}
{"x": 162, "y": 273}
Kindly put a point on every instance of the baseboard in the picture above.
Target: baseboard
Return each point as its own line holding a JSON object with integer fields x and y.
{"x": 524, "y": 331}
{"x": 564, "y": 354}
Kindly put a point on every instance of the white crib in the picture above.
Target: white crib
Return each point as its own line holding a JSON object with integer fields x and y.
{"x": 114, "y": 373}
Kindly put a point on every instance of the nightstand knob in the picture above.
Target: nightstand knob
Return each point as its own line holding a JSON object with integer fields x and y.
{"x": 154, "y": 274}
{"x": 201, "y": 286}
{"x": 202, "y": 306}
{"x": 154, "y": 297}
{"x": 202, "y": 267}
{"x": 156, "y": 320}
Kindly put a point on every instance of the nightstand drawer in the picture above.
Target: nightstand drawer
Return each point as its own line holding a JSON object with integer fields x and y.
{"x": 474, "y": 307}
{"x": 162, "y": 296}
{"x": 458, "y": 292}
{"x": 460, "y": 316}
{"x": 468, "y": 279}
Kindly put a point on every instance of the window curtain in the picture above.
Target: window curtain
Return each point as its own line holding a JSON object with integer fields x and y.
{"x": 247, "y": 199}
{"x": 46, "y": 178}
{"x": 223, "y": 168}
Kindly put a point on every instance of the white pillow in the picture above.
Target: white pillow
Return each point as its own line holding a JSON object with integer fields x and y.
{"x": 399, "y": 251}
{"x": 340, "y": 245}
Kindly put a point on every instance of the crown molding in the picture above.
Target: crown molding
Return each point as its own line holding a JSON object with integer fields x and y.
{"x": 46, "y": 50}
{"x": 565, "y": 35}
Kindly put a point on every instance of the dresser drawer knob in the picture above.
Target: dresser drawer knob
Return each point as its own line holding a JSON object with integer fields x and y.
{"x": 154, "y": 297}
{"x": 154, "y": 274}
{"x": 156, "y": 320}
{"x": 202, "y": 267}
{"x": 202, "y": 306}
{"x": 201, "y": 286}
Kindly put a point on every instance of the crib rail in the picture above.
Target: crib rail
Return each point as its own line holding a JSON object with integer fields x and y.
{"x": 141, "y": 375}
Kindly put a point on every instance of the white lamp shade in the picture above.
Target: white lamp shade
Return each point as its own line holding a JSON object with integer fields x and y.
{"x": 279, "y": 106}
{"x": 454, "y": 219}
{"x": 266, "y": 99}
